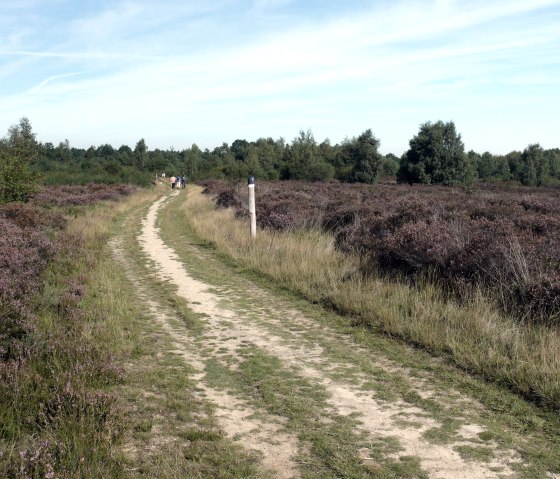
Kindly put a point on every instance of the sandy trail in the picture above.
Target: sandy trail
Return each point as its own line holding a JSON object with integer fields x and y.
{"x": 263, "y": 434}
{"x": 376, "y": 418}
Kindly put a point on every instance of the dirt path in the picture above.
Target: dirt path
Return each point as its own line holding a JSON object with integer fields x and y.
{"x": 230, "y": 328}
{"x": 235, "y": 416}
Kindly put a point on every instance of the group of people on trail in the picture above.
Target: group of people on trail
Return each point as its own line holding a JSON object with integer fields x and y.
{"x": 178, "y": 182}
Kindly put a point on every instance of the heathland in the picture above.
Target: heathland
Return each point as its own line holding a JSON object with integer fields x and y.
{"x": 474, "y": 274}
{"x": 371, "y": 330}
{"x": 146, "y": 338}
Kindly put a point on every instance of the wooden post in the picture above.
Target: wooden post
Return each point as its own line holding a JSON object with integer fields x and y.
{"x": 252, "y": 209}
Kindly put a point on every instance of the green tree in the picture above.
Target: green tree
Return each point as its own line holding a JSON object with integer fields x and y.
{"x": 18, "y": 151}
{"x": 486, "y": 165}
{"x": 192, "y": 158}
{"x": 63, "y": 152}
{"x": 240, "y": 149}
{"x": 320, "y": 171}
{"x": 436, "y": 155}
{"x": 125, "y": 155}
{"x": 534, "y": 167}
{"x": 302, "y": 153}
{"x": 358, "y": 159}
{"x": 269, "y": 157}
{"x": 140, "y": 153}
{"x": 157, "y": 162}
{"x": 389, "y": 165}
{"x": 515, "y": 165}
{"x": 252, "y": 164}
{"x": 503, "y": 171}
{"x": 553, "y": 159}
{"x": 365, "y": 157}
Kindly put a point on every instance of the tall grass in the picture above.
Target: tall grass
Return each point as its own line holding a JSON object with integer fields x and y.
{"x": 474, "y": 334}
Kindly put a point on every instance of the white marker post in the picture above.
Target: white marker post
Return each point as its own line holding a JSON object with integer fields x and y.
{"x": 252, "y": 209}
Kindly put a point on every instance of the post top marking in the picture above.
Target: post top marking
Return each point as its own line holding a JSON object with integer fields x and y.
{"x": 251, "y": 180}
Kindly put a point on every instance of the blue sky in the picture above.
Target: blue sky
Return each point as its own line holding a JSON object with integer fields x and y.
{"x": 178, "y": 72}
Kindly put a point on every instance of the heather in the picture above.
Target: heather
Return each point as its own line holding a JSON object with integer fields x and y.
{"x": 76, "y": 195}
{"x": 58, "y": 416}
{"x": 504, "y": 239}
{"x": 26, "y": 247}
{"x": 466, "y": 329}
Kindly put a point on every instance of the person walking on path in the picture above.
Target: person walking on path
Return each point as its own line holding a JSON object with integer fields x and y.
{"x": 173, "y": 180}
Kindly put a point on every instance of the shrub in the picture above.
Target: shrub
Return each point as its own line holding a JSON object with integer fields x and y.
{"x": 504, "y": 238}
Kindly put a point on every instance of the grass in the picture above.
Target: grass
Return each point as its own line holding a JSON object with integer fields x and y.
{"x": 65, "y": 419}
{"x": 172, "y": 432}
{"x": 511, "y": 422}
{"x": 333, "y": 444}
{"x": 475, "y": 335}
{"x": 103, "y": 395}
{"x": 162, "y": 426}
{"x": 481, "y": 454}
{"x": 331, "y": 448}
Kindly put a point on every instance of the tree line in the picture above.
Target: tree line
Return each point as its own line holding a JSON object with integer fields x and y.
{"x": 436, "y": 155}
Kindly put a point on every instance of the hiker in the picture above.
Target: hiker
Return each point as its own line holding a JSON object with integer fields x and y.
{"x": 183, "y": 181}
{"x": 173, "y": 181}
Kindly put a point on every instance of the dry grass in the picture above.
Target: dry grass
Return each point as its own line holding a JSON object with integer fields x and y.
{"x": 475, "y": 334}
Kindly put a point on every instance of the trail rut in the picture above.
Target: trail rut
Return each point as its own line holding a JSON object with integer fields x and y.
{"x": 278, "y": 448}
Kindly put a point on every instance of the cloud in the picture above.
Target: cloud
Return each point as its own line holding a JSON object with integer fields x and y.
{"x": 175, "y": 71}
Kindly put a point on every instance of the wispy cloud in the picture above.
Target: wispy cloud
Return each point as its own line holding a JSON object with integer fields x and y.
{"x": 207, "y": 72}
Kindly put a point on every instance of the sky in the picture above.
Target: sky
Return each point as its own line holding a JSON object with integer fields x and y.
{"x": 179, "y": 72}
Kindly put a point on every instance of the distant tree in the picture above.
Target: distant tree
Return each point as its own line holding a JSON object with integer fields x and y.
{"x": 436, "y": 155}
{"x": 320, "y": 171}
{"x": 359, "y": 160}
{"x": 486, "y": 165}
{"x": 252, "y": 164}
{"x": 366, "y": 159}
{"x": 553, "y": 159}
{"x": 157, "y": 162}
{"x": 63, "y": 152}
{"x": 125, "y": 155}
{"x": 113, "y": 167}
{"x": 140, "y": 154}
{"x": 192, "y": 158}
{"x": 106, "y": 152}
{"x": 18, "y": 151}
{"x": 389, "y": 165}
{"x": 515, "y": 165}
{"x": 534, "y": 168}
{"x": 269, "y": 157}
{"x": 503, "y": 171}
{"x": 328, "y": 151}
{"x": 302, "y": 153}
{"x": 240, "y": 148}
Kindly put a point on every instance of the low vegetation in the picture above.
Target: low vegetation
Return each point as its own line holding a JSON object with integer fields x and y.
{"x": 58, "y": 414}
{"x": 505, "y": 241}
{"x": 89, "y": 387}
{"x": 522, "y": 355}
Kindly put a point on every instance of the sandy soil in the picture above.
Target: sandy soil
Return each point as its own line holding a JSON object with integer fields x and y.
{"x": 263, "y": 434}
{"x": 377, "y": 419}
